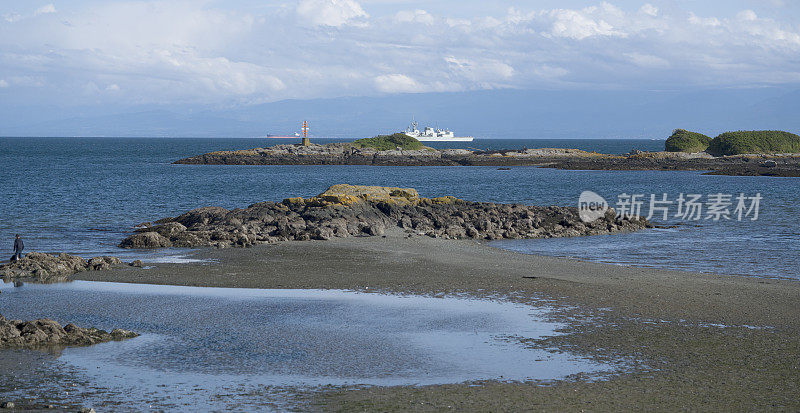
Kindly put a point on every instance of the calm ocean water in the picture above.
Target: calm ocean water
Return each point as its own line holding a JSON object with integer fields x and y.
{"x": 83, "y": 195}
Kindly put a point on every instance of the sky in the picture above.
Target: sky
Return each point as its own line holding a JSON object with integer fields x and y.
{"x": 229, "y": 54}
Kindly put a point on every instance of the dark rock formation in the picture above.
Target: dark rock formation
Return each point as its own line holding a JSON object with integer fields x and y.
{"x": 344, "y": 211}
{"x": 51, "y": 268}
{"x": 739, "y": 165}
{"x": 347, "y": 154}
{"x": 45, "y": 332}
{"x": 103, "y": 263}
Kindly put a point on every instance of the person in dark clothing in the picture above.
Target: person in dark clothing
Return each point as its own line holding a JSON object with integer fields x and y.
{"x": 18, "y": 247}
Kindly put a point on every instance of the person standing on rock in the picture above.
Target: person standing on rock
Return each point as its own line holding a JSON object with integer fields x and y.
{"x": 18, "y": 247}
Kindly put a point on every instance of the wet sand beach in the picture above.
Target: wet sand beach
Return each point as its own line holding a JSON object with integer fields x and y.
{"x": 690, "y": 341}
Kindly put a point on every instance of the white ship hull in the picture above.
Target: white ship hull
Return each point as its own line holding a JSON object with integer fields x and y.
{"x": 430, "y": 134}
{"x": 438, "y": 139}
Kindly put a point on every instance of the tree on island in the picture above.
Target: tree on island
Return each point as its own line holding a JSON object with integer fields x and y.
{"x": 684, "y": 141}
{"x": 389, "y": 142}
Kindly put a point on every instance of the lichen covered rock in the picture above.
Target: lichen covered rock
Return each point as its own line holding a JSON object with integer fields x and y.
{"x": 349, "y": 194}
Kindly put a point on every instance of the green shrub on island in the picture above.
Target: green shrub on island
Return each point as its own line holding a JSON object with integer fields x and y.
{"x": 389, "y": 142}
{"x": 684, "y": 141}
{"x": 755, "y": 142}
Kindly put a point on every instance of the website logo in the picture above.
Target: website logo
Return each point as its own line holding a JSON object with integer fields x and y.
{"x": 591, "y": 206}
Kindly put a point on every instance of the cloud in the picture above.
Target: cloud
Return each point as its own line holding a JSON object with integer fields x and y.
{"x": 397, "y": 83}
{"x": 333, "y": 13}
{"x": 22, "y": 81}
{"x": 47, "y": 9}
{"x": 647, "y": 60}
{"x": 12, "y": 17}
{"x": 480, "y": 69}
{"x": 704, "y": 21}
{"x": 184, "y": 51}
{"x": 579, "y": 24}
{"x": 415, "y": 17}
{"x": 747, "y": 15}
{"x": 649, "y": 10}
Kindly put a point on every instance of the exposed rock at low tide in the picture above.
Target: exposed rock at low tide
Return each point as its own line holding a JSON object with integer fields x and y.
{"x": 45, "y": 333}
{"x": 51, "y": 268}
{"x": 346, "y": 210}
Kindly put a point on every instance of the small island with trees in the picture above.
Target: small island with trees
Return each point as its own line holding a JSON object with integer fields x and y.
{"x": 734, "y": 143}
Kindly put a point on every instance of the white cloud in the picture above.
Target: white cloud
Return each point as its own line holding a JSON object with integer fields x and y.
{"x": 579, "y": 25}
{"x": 47, "y": 9}
{"x": 415, "y": 17}
{"x": 747, "y": 15}
{"x": 12, "y": 17}
{"x": 704, "y": 21}
{"x": 480, "y": 69}
{"x": 648, "y": 61}
{"x": 3, "y": 83}
{"x": 397, "y": 83}
{"x": 649, "y": 10}
{"x": 455, "y": 22}
{"x": 334, "y": 13}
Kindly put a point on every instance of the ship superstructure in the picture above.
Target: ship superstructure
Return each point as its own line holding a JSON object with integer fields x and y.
{"x": 430, "y": 134}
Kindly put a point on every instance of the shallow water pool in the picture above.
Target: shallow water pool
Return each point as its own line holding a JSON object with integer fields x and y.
{"x": 198, "y": 344}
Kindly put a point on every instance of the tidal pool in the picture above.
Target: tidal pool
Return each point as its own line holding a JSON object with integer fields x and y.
{"x": 221, "y": 347}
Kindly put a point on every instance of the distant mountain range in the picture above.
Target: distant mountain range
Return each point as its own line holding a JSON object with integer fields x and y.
{"x": 484, "y": 114}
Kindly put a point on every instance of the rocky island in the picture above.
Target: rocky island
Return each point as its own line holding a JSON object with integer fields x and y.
{"x": 344, "y": 211}
{"x": 765, "y": 153}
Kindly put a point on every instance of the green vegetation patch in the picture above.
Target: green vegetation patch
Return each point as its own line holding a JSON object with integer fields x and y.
{"x": 744, "y": 142}
{"x": 389, "y": 142}
{"x": 684, "y": 141}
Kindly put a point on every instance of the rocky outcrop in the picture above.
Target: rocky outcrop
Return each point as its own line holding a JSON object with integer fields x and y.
{"x": 346, "y": 210}
{"x": 148, "y": 239}
{"x": 739, "y": 165}
{"x": 45, "y": 333}
{"x": 50, "y": 268}
{"x": 346, "y": 154}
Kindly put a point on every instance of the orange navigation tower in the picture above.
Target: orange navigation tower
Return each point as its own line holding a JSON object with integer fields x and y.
{"x": 305, "y": 130}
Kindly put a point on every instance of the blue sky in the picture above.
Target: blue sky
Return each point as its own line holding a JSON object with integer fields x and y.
{"x": 229, "y": 54}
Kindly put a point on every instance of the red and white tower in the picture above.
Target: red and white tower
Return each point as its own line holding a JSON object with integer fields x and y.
{"x": 305, "y": 130}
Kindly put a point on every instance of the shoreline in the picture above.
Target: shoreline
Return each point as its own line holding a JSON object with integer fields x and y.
{"x": 261, "y": 266}
{"x": 694, "y": 339}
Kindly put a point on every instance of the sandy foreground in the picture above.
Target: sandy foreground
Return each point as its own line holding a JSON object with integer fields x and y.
{"x": 668, "y": 324}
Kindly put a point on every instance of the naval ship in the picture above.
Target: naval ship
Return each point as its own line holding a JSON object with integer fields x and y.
{"x": 434, "y": 135}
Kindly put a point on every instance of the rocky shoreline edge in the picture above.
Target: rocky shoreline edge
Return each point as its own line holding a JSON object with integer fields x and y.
{"x": 50, "y": 268}
{"x": 569, "y": 159}
{"x": 346, "y": 211}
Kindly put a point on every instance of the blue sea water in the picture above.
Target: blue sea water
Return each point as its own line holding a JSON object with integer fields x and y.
{"x": 84, "y": 195}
